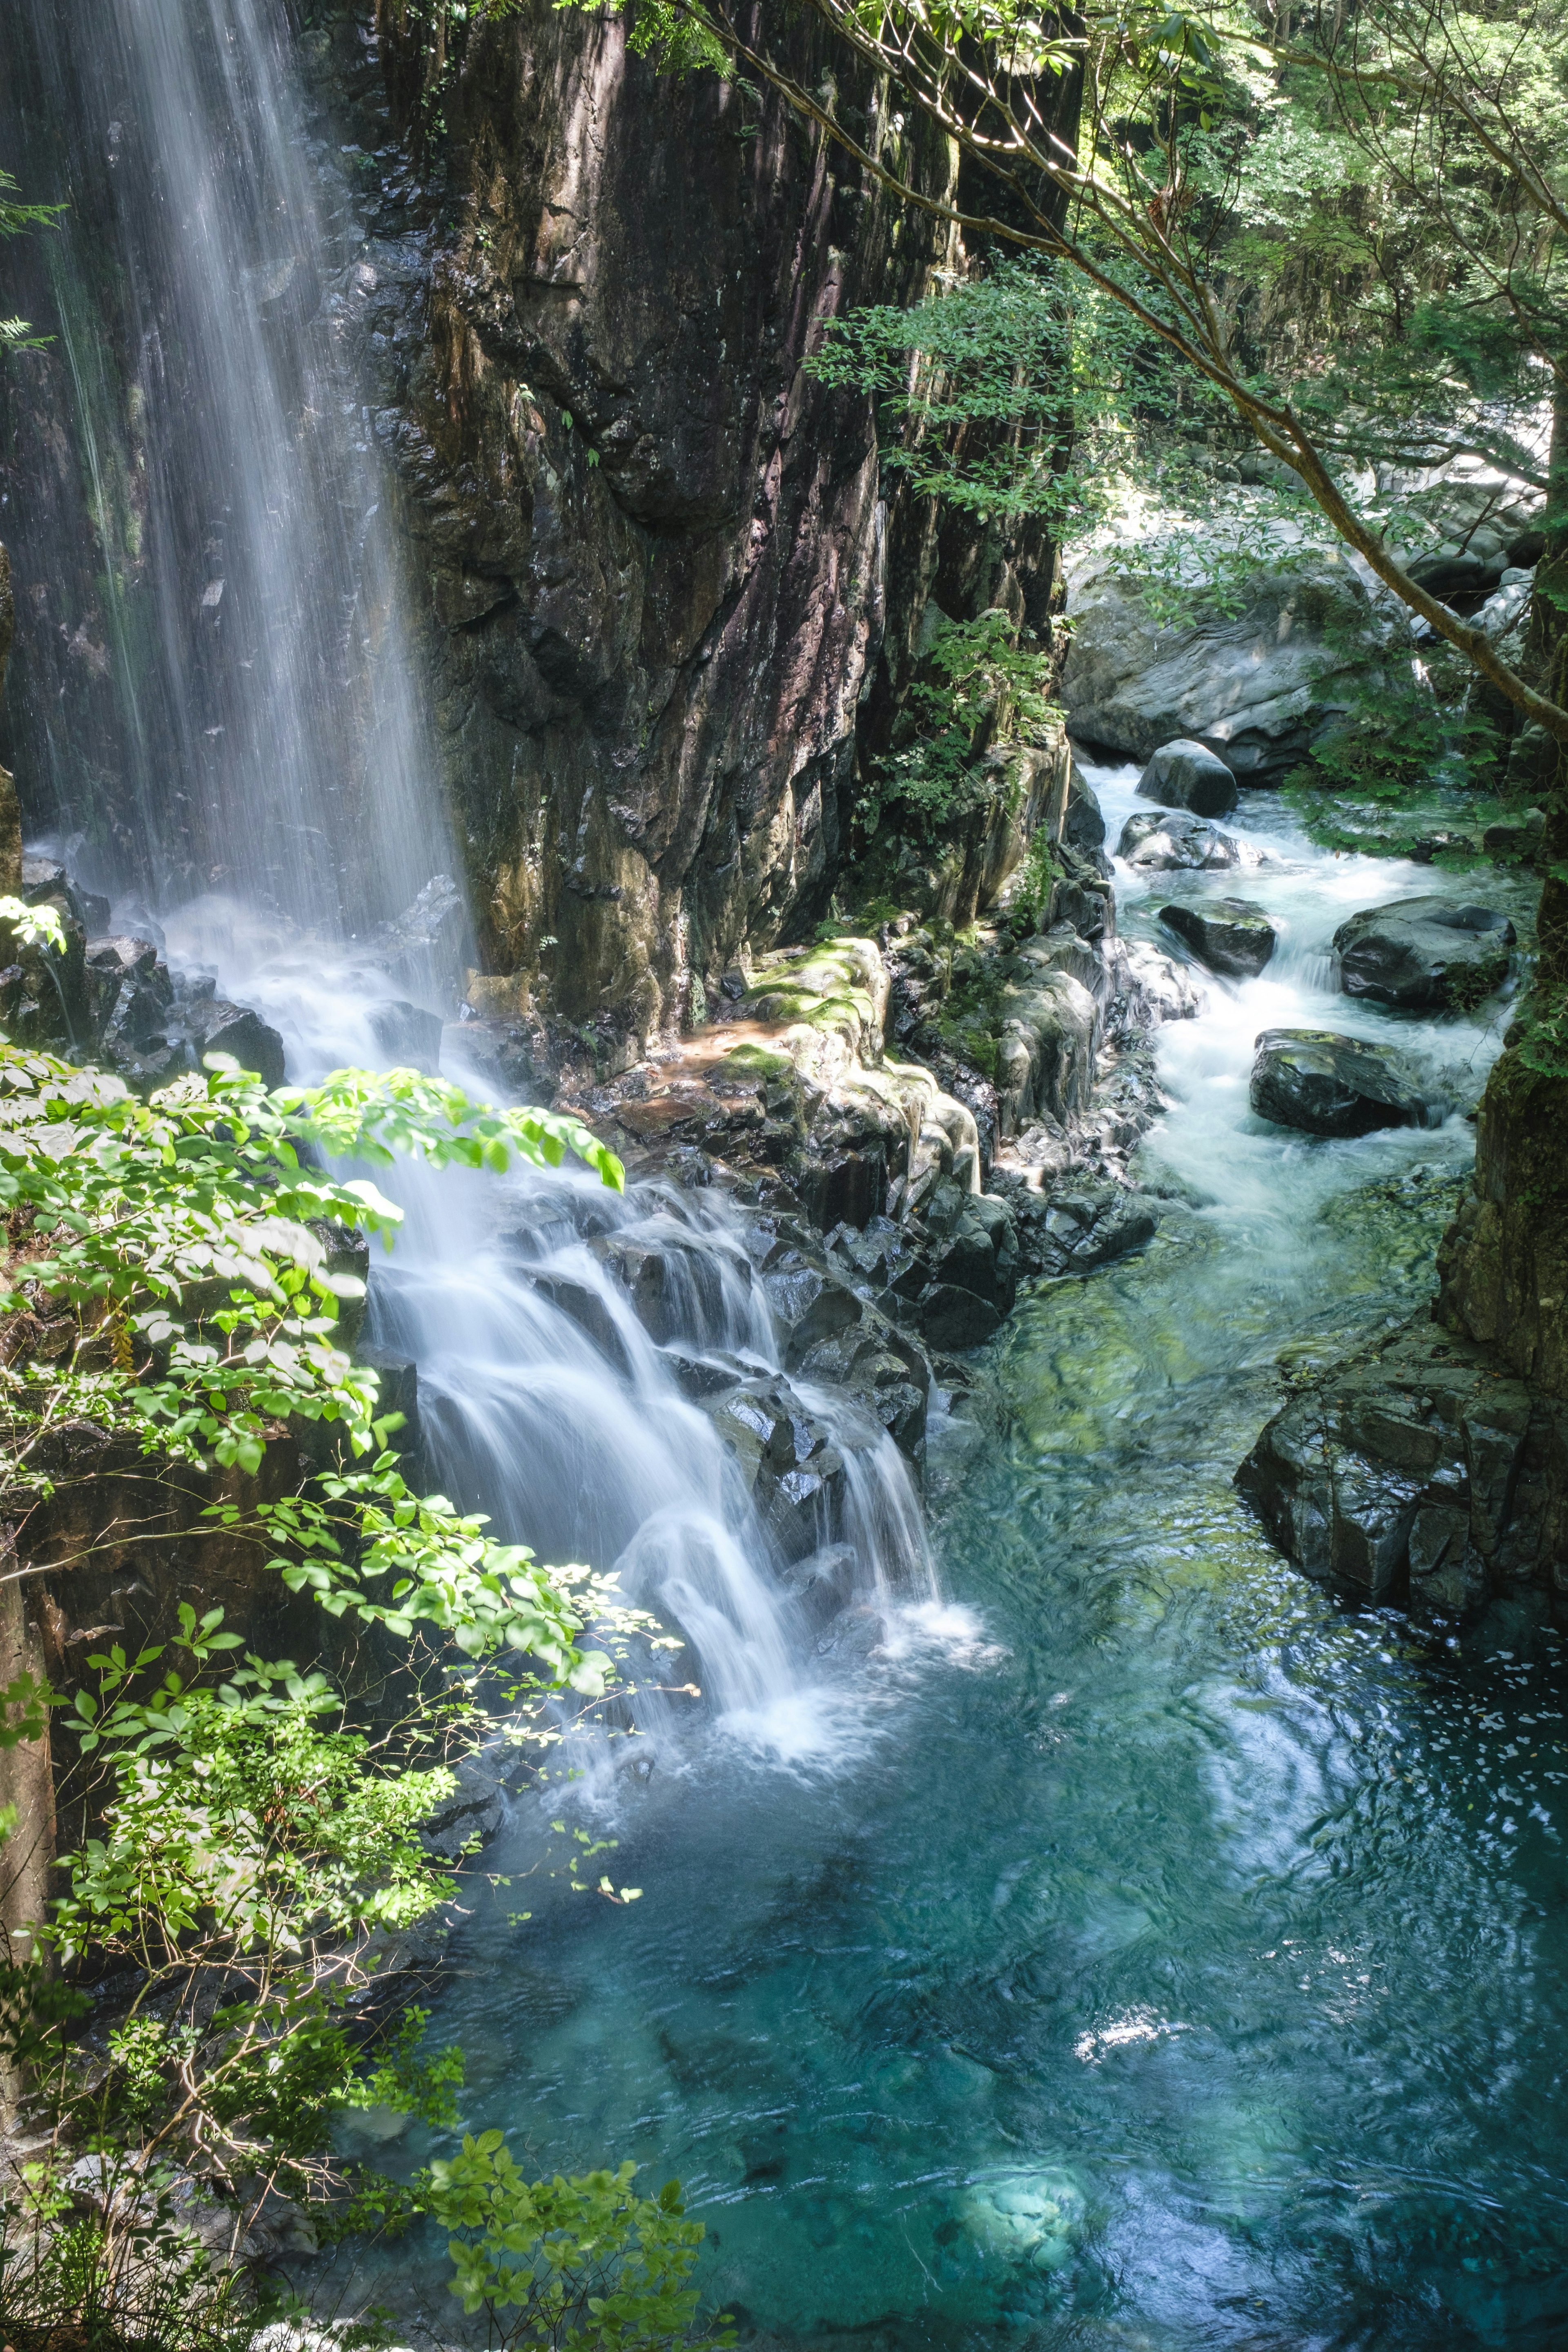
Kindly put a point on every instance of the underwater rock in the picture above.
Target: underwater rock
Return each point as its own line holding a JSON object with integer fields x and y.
{"x": 1328, "y": 1084}
{"x": 1187, "y": 775}
{"x": 1424, "y": 954}
{"x": 1162, "y": 842}
{"x": 1232, "y": 936}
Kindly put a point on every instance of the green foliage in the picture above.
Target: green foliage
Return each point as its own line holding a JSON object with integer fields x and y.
{"x": 249, "y": 1850}
{"x": 1543, "y": 1020}
{"x": 67, "y": 2279}
{"x": 578, "y": 2265}
{"x": 975, "y": 686}
{"x": 16, "y": 220}
{"x": 1409, "y": 730}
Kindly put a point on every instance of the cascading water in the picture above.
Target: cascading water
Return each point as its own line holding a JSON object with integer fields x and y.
{"x": 265, "y": 720}
{"x": 267, "y": 709}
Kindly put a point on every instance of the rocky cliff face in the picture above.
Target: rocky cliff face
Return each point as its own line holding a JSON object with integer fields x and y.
{"x": 655, "y": 554}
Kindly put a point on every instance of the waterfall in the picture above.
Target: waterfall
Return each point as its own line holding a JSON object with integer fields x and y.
{"x": 260, "y": 706}
{"x": 226, "y": 483}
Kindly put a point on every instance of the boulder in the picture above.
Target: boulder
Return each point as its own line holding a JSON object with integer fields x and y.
{"x": 1230, "y": 935}
{"x": 1157, "y": 988}
{"x": 1049, "y": 1036}
{"x": 1415, "y": 1471}
{"x": 1166, "y": 844}
{"x": 1256, "y": 686}
{"x": 1424, "y": 954}
{"x": 953, "y": 1319}
{"x": 1074, "y": 1232}
{"x": 823, "y": 1584}
{"x": 408, "y": 1035}
{"x": 1327, "y": 1084}
{"x": 424, "y": 949}
{"x": 970, "y": 1244}
{"x": 1187, "y": 775}
{"x": 788, "y": 1461}
{"x": 215, "y": 1026}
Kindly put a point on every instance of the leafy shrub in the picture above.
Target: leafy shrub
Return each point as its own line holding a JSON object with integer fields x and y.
{"x": 578, "y": 2265}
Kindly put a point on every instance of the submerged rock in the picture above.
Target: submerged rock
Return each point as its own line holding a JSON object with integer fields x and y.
{"x": 1424, "y": 954}
{"x": 1187, "y": 775}
{"x": 1166, "y": 844}
{"x": 1328, "y": 1084}
{"x": 1230, "y": 935}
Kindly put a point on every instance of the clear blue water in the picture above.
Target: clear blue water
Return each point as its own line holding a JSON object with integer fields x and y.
{"x": 1132, "y": 1949}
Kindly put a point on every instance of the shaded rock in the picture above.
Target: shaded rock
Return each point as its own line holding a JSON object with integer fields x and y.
{"x": 408, "y": 1035}
{"x": 1424, "y": 954}
{"x": 970, "y": 1244}
{"x": 1047, "y": 1038}
{"x": 954, "y": 1319}
{"x": 674, "y": 1291}
{"x": 1416, "y": 1471}
{"x": 1449, "y": 574}
{"x": 1168, "y": 843}
{"x": 1082, "y": 895}
{"x": 398, "y": 1392}
{"x": 587, "y": 1310}
{"x": 1328, "y": 1084}
{"x": 215, "y": 1026}
{"x": 788, "y": 1461}
{"x": 1083, "y": 824}
{"x": 1187, "y": 775}
{"x": 809, "y": 1305}
{"x": 1074, "y": 1232}
{"x": 1230, "y": 935}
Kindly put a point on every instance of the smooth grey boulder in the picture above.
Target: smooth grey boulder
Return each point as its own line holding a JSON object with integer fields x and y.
{"x": 1165, "y": 843}
{"x": 1187, "y": 775}
{"x": 1327, "y": 1084}
{"x": 1259, "y": 685}
{"x": 1424, "y": 954}
{"x": 1230, "y": 935}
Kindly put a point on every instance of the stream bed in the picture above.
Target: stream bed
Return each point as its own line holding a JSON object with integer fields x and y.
{"x": 1131, "y": 1948}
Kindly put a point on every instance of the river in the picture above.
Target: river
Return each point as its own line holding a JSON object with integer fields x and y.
{"x": 1133, "y": 1947}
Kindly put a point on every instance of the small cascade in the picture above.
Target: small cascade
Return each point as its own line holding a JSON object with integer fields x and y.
{"x": 263, "y": 711}
{"x": 546, "y": 1400}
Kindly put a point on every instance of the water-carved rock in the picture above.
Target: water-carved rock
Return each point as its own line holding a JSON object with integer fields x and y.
{"x": 1232, "y": 936}
{"x": 1328, "y": 1084}
{"x": 1187, "y": 775}
{"x": 1162, "y": 843}
{"x": 1424, "y": 954}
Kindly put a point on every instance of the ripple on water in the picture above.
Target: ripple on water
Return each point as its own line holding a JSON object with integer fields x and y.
{"x": 1132, "y": 1949}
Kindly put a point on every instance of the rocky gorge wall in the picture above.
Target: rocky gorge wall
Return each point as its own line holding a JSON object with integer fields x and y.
{"x": 662, "y": 575}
